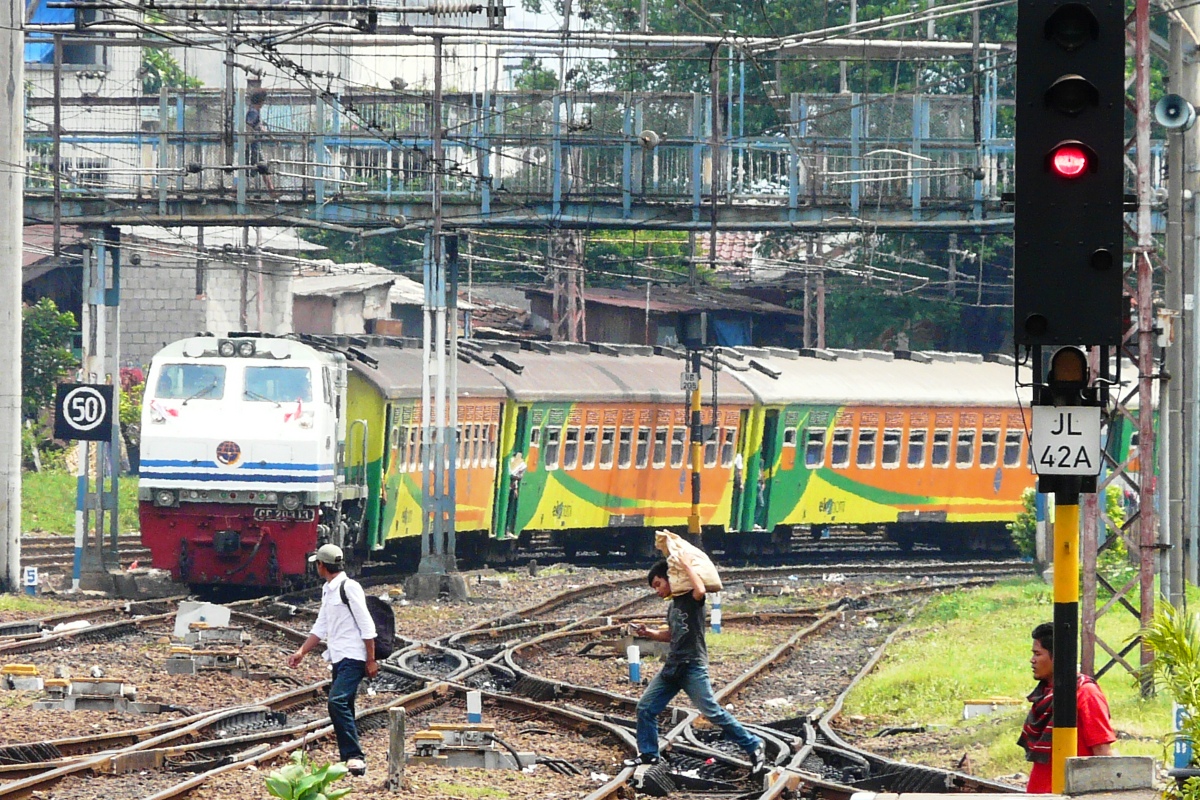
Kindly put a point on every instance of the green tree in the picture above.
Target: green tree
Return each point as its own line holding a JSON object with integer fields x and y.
{"x": 159, "y": 68}
{"x": 531, "y": 76}
{"x": 46, "y": 357}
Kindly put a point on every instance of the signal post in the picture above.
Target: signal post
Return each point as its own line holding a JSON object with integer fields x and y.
{"x": 1068, "y": 285}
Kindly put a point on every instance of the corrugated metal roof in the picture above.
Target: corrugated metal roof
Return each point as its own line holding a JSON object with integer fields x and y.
{"x": 674, "y": 300}
{"x": 878, "y": 379}
{"x": 398, "y": 374}
{"x": 312, "y": 285}
{"x": 561, "y": 375}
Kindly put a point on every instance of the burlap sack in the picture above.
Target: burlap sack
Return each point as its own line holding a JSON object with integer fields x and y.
{"x": 677, "y": 549}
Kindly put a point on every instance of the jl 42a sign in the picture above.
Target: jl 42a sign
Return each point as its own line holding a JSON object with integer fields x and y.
{"x": 1066, "y": 440}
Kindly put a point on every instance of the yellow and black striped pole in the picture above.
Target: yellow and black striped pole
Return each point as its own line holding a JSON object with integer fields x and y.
{"x": 1066, "y": 633}
{"x": 697, "y": 445}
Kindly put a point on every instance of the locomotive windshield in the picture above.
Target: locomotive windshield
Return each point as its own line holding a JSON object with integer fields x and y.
{"x": 190, "y": 381}
{"x": 278, "y": 384}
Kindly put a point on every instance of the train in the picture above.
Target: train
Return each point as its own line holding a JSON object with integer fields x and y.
{"x": 257, "y": 449}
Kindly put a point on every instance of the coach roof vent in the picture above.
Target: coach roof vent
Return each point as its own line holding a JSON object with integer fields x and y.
{"x": 913, "y": 355}
{"x": 669, "y": 352}
{"x": 755, "y": 352}
{"x": 999, "y": 358}
{"x": 878, "y": 355}
{"x": 765, "y": 370}
{"x": 508, "y": 363}
{"x": 575, "y": 348}
{"x": 953, "y": 357}
{"x": 818, "y": 352}
{"x": 783, "y": 352}
{"x": 850, "y": 355}
{"x": 623, "y": 349}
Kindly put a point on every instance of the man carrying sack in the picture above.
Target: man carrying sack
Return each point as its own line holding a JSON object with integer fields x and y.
{"x": 686, "y": 666}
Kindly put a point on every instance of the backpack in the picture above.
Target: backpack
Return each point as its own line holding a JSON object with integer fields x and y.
{"x": 385, "y": 623}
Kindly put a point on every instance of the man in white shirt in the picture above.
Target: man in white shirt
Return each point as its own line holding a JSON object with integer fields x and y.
{"x": 349, "y": 635}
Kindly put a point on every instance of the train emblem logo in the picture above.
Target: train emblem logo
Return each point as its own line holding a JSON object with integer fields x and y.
{"x": 228, "y": 453}
{"x": 84, "y": 411}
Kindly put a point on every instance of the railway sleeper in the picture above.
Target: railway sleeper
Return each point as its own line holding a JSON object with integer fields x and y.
{"x": 653, "y": 779}
{"x": 29, "y": 753}
{"x": 250, "y": 722}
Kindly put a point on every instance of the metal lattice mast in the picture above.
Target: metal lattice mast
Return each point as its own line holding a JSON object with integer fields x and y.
{"x": 1134, "y": 407}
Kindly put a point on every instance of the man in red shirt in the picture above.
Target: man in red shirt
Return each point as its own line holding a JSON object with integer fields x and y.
{"x": 1094, "y": 729}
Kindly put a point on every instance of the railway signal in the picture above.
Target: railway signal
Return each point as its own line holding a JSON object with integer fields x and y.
{"x": 1069, "y": 229}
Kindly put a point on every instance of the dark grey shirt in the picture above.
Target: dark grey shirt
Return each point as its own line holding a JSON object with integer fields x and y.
{"x": 686, "y": 622}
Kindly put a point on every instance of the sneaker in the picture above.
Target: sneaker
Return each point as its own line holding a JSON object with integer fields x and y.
{"x": 758, "y": 759}
{"x": 357, "y": 766}
{"x": 644, "y": 758}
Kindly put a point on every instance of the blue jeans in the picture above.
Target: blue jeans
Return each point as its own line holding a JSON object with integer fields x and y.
{"x": 347, "y": 674}
{"x": 692, "y": 680}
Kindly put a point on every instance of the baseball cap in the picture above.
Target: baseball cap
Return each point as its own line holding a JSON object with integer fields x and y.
{"x": 327, "y": 554}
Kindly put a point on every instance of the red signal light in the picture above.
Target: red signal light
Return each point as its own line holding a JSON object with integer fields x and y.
{"x": 1069, "y": 161}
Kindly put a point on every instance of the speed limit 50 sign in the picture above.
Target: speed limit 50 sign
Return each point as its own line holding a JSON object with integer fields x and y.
{"x": 84, "y": 411}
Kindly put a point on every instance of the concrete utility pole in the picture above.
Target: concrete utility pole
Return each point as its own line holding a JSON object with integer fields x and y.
{"x": 1171, "y": 397}
{"x": 1185, "y": 80}
{"x": 12, "y": 153}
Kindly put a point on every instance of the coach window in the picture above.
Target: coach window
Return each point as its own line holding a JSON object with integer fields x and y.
{"x": 941, "y": 448}
{"x": 789, "y": 437}
{"x": 461, "y": 456}
{"x": 840, "y": 455}
{"x": 607, "y": 438}
{"x": 1012, "y": 448}
{"x": 414, "y": 436}
{"x": 550, "y": 454}
{"x": 400, "y": 445}
{"x": 916, "y": 447}
{"x": 814, "y": 448}
{"x": 728, "y": 440}
{"x": 491, "y": 445}
{"x": 395, "y": 436}
{"x": 643, "y": 447}
{"x": 625, "y": 448}
{"x": 535, "y": 437}
{"x": 989, "y": 447}
{"x": 964, "y": 454}
{"x": 589, "y": 447}
{"x": 891, "y": 447}
{"x": 678, "y": 437}
{"x": 660, "y": 448}
{"x": 710, "y": 449}
{"x": 571, "y": 448}
{"x": 865, "y": 456}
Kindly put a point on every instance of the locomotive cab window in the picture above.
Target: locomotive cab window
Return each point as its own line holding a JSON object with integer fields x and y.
{"x": 989, "y": 448}
{"x": 535, "y": 437}
{"x": 278, "y": 385}
{"x": 814, "y": 448}
{"x": 191, "y": 382}
{"x": 964, "y": 454}
{"x": 606, "y": 447}
{"x": 1012, "y": 448}
{"x": 865, "y": 457}
{"x": 941, "y": 448}
{"x": 840, "y": 455}
{"x": 891, "y": 448}
{"x": 589, "y": 447}
{"x": 916, "y": 447}
{"x": 678, "y": 437}
{"x": 550, "y": 457}
{"x": 660, "y": 448}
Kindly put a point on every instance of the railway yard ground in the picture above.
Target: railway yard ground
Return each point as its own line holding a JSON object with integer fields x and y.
{"x": 845, "y": 671}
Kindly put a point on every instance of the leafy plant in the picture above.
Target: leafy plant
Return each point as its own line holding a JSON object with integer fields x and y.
{"x": 45, "y": 356}
{"x": 1024, "y": 528}
{"x": 159, "y": 68}
{"x": 300, "y": 781}
{"x": 1174, "y": 636}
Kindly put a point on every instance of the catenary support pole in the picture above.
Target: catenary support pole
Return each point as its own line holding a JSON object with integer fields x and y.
{"x": 12, "y": 151}
{"x": 697, "y": 446}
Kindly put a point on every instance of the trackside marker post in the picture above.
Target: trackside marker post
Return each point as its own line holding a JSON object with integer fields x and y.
{"x": 633, "y": 654}
{"x": 716, "y": 613}
{"x": 474, "y": 707}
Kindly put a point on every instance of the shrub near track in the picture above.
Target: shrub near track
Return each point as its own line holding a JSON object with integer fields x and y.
{"x": 970, "y": 644}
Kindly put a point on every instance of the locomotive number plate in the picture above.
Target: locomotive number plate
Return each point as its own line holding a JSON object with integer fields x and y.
{"x": 282, "y": 514}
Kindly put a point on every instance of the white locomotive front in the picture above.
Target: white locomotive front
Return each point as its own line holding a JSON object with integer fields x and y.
{"x": 241, "y": 443}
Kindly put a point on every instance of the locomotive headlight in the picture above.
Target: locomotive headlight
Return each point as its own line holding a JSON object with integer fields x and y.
{"x": 245, "y": 348}
{"x": 290, "y": 501}
{"x": 164, "y": 498}
{"x": 272, "y": 497}
{"x": 226, "y": 348}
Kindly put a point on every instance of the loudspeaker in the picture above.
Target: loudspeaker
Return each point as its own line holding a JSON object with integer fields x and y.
{"x": 1174, "y": 113}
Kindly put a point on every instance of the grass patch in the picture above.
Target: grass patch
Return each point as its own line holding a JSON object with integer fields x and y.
{"x": 48, "y": 502}
{"x": 732, "y": 642}
{"x": 36, "y": 606}
{"x": 975, "y": 644}
{"x": 469, "y": 792}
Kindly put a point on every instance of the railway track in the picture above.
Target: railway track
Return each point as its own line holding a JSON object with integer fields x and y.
{"x": 430, "y": 678}
{"x": 58, "y": 552}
